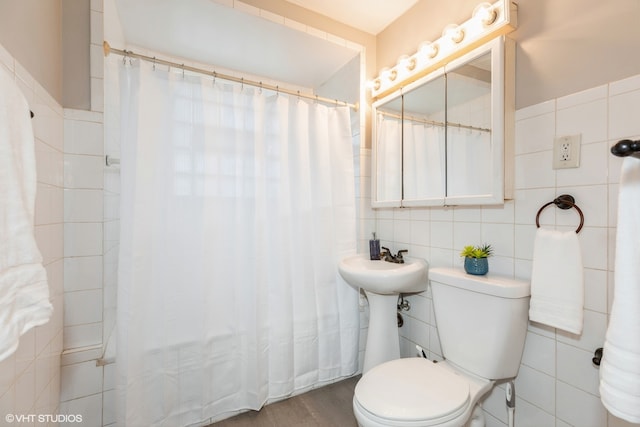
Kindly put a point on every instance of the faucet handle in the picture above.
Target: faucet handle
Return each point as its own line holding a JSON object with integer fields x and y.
{"x": 399, "y": 256}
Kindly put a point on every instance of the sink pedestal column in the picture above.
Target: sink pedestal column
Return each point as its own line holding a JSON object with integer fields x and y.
{"x": 382, "y": 338}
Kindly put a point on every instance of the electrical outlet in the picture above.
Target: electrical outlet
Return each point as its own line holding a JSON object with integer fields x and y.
{"x": 566, "y": 152}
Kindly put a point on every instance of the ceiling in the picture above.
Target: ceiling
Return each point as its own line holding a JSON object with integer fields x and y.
{"x": 370, "y": 16}
{"x": 210, "y": 32}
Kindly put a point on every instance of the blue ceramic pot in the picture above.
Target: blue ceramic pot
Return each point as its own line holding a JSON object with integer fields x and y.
{"x": 477, "y": 266}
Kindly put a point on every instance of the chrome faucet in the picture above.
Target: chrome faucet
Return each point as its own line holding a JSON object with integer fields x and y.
{"x": 388, "y": 256}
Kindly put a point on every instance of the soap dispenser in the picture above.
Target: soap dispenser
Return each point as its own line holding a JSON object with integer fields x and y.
{"x": 374, "y": 248}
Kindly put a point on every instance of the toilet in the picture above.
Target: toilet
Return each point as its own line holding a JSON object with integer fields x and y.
{"x": 482, "y": 324}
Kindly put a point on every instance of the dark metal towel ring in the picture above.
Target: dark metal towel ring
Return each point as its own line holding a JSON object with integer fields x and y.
{"x": 564, "y": 201}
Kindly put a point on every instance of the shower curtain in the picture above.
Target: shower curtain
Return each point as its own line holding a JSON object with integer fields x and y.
{"x": 236, "y": 205}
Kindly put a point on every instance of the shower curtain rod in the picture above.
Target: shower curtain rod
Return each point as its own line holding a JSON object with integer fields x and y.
{"x": 130, "y": 54}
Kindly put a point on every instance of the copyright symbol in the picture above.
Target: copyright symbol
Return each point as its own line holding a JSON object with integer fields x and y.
{"x": 9, "y": 418}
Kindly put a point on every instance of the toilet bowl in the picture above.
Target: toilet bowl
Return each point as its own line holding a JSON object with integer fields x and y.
{"x": 482, "y": 322}
{"x": 417, "y": 392}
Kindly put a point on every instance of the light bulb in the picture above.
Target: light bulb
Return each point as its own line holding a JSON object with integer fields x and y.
{"x": 374, "y": 84}
{"x": 429, "y": 49}
{"x": 454, "y": 32}
{"x": 407, "y": 62}
{"x": 486, "y": 13}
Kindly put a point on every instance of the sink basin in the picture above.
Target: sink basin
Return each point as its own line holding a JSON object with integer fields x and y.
{"x": 382, "y": 277}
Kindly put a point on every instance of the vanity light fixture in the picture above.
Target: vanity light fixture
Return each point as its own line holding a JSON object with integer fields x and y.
{"x": 487, "y": 22}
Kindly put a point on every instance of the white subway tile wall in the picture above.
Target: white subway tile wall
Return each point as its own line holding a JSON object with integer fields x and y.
{"x": 557, "y": 384}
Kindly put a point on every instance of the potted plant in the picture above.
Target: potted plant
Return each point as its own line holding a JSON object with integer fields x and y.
{"x": 475, "y": 259}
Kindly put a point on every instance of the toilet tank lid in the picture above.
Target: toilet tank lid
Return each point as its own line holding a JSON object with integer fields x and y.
{"x": 491, "y": 284}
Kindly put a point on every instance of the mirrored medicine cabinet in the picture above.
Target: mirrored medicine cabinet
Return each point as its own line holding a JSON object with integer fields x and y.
{"x": 443, "y": 139}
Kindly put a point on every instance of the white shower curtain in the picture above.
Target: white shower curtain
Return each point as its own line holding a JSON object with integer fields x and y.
{"x": 236, "y": 206}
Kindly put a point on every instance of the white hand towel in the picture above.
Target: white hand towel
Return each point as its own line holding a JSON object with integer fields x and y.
{"x": 557, "y": 280}
{"x": 24, "y": 293}
{"x": 620, "y": 366}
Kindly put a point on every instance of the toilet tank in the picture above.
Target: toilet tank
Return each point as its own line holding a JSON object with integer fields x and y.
{"x": 481, "y": 320}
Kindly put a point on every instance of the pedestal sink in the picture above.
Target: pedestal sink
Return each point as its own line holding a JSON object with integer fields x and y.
{"x": 382, "y": 282}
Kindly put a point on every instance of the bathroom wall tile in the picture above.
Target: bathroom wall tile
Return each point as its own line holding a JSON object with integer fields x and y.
{"x": 50, "y": 163}
{"x": 623, "y": 117}
{"x": 579, "y": 408}
{"x": 97, "y": 94}
{"x": 625, "y": 85}
{"x": 82, "y": 239}
{"x": 499, "y": 214}
{"x": 401, "y": 233}
{"x": 524, "y": 241}
{"x": 535, "y": 134}
{"x": 83, "y": 205}
{"x": 493, "y": 404}
{"x": 535, "y": 110}
{"x": 576, "y": 368}
{"x": 529, "y": 202}
{"x": 587, "y": 120}
{"x": 593, "y": 333}
{"x": 540, "y": 353}
{"x": 420, "y": 233}
{"x": 109, "y": 374}
{"x": 500, "y": 236}
{"x": 532, "y": 170}
{"x": 89, "y": 407}
{"x": 442, "y": 214}
{"x": 536, "y": 388}
{"x": 81, "y": 379}
{"x": 25, "y": 389}
{"x": 595, "y": 290}
{"x": 528, "y": 415}
{"x": 109, "y": 407}
{"x": 466, "y": 233}
{"x": 83, "y": 171}
{"x": 592, "y": 200}
{"x": 467, "y": 214}
{"x": 441, "y": 257}
{"x": 592, "y": 170}
{"x": 83, "y": 273}
{"x": 85, "y": 335}
{"x": 441, "y": 234}
{"x": 593, "y": 241}
{"x": 83, "y": 137}
{"x": 583, "y": 97}
{"x": 96, "y": 61}
{"x": 420, "y": 307}
{"x": 83, "y": 307}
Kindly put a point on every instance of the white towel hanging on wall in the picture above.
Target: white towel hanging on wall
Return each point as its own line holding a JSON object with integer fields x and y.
{"x": 557, "y": 281}
{"x": 620, "y": 365}
{"x": 24, "y": 292}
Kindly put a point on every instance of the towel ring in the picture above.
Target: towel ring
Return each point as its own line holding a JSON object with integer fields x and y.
{"x": 564, "y": 201}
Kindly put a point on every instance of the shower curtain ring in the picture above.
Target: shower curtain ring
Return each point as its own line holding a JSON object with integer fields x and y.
{"x": 214, "y": 77}
{"x": 154, "y": 63}
{"x": 182, "y": 70}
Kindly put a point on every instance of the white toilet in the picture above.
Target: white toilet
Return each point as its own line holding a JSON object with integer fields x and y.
{"x": 482, "y": 324}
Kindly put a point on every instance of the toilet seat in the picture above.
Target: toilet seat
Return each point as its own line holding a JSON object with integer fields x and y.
{"x": 413, "y": 391}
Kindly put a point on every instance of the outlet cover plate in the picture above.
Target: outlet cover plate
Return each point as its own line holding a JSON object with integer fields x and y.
{"x": 566, "y": 152}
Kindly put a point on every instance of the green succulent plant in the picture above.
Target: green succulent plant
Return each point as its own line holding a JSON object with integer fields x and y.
{"x": 483, "y": 251}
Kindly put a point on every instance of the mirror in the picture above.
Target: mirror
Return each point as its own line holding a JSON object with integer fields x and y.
{"x": 424, "y": 146}
{"x": 388, "y": 152}
{"x": 469, "y": 128}
{"x": 440, "y": 140}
